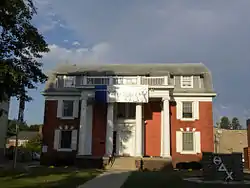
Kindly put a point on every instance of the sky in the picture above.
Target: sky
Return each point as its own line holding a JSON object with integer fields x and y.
{"x": 214, "y": 32}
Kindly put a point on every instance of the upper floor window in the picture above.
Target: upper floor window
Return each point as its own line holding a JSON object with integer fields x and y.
{"x": 187, "y": 109}
{"x": 69, "y": 81}
{"x": 187, "y": 81}
{"x": 68, "y": 108}
{"x": 126, "y": 110}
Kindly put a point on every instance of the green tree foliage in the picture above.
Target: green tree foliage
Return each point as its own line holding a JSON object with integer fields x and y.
{"x": 225, "y": 123}
{"x": 21, "y": 47}
{"x": 12, "y": 127}
{"x": 34, "y": 144}
{"x": 236, "y": 124}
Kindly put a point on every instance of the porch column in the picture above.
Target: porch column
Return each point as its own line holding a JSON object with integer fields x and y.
{"x": 83, "y": 128}
{"x": 165, "y": 141}
{"x": 109, "y": 129}
{"x": 138, "y": 131}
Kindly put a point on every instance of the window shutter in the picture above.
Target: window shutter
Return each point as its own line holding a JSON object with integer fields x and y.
{"x": 179, "y": 110}
{"x": 59, "y": 108}
{"x": 74, "y": 140}
{"x": 57, "y": 139}
{"x": 198, "y": 142}
{"x": 178, "y": 141}
{"x": 76, "y": 108}
{"x": 196, "y": 110}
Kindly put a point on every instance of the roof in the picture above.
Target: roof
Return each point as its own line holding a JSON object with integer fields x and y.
{"x": 147, "y": 69}
{"x": 153, "y": 69}
{"x": 25, "y": 135}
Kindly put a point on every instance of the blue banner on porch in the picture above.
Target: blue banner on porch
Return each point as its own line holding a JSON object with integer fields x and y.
{"x": 101, "y": 93}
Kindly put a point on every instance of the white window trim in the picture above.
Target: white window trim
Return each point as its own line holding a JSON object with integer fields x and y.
{"x": 194, "y": 145}
{"x": 60, "y": 139}
{"x": 193, "y": 111}
{"x": 60, "y": 108}
{"x": 74, "y": 81}
{"x": 179, "y": 144}
{"x": 195, "y": 108}
{"x": 57, "y": 140}
{"x": 192, "y": 82}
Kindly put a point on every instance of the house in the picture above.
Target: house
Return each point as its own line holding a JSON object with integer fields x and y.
{"x": 247, "y": 149}
{"x": 224, "y": 143}
{"x": 163, "y": 111}
{"x": 4, "y": 111}
{"x": 23, "y": 138}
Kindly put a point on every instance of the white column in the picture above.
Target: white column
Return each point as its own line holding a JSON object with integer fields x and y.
{"x": 83, "y": 128}
{"x": 165, "y": 130}
{"x": 109, "y": 129}
{"x": 138, "y": 131}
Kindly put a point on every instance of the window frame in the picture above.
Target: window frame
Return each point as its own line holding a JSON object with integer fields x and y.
{"x": 191, "y": 82}
{"x": 63, "y": 110}
{"x": 127, "y": 109}
{"x": 193, "y": 135}
{"x": 182, "y": 110}
{"x": 60, "y": 140}
{"x": 67, "y": 79}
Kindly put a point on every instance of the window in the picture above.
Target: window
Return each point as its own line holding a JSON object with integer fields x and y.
{"x": 188, "y": 141}
{"x": 126, "y": 110}
{"x": 187, "y": 81}
{"x": 69, "y": 81}
{"x": 68, "y": 108}
{"x": 65, "y": 139}
{"x": 187, "y": 109}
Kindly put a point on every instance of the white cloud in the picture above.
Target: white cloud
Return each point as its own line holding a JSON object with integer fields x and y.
{"x": 57, "y": 54}
{"x": 65, "y": 40}
{"x": 76, "y": 43}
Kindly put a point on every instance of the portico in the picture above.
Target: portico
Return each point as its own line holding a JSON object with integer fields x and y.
{"x": 130, "y": 135}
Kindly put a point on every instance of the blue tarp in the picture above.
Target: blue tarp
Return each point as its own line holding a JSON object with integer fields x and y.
{"x": 101, "y": 93}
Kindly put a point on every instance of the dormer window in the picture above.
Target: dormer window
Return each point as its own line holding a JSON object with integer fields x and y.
{"x": 69, "y": 81}
{"x": 187, "y": 81}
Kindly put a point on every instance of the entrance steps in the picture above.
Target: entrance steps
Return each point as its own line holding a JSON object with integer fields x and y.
{"x": 124, "y": 163}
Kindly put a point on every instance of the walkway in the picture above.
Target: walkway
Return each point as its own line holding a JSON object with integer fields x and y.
{"x": 109, "y": 179}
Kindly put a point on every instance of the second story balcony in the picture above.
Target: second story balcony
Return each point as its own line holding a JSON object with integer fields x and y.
{"x": 85, "y": 81}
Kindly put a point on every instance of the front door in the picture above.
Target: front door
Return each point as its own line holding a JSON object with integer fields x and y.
{"x": 152, "y": 131}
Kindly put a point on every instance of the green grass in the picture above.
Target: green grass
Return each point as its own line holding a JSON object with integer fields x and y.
{"x": 44, "y": 177}
{"x": 168, "y": 179}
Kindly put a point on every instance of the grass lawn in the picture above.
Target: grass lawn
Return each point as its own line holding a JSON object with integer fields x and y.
{"x": 168, "y": 179}
{"x": 44, "y": 177}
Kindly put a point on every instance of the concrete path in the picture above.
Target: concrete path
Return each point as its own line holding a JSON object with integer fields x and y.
{"x": 109, "y": 179}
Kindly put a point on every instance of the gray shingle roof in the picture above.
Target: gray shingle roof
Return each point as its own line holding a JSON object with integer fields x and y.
{"x": 153, "y": 69}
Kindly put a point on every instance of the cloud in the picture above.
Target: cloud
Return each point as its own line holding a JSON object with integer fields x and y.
{"x": 76, "y": 43}
{"x": 58, "y": 54}
{"x": 214, "y": 32}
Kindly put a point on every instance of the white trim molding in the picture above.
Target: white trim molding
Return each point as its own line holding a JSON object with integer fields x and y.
{"x": 196, "y": 94}
{"x": 196, "y": 141}
{"x": 191, "y": 82}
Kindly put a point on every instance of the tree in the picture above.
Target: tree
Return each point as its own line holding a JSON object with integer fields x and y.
{"x": 12, "y": 127}
{"x": 21, "y": 46}
{"x": 34, "y": 144}
{"x": 225, "y": 123}
{"x": 236, "y": 124}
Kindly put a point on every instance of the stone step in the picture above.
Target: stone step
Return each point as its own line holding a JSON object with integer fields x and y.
{"x": 124, "y": 163}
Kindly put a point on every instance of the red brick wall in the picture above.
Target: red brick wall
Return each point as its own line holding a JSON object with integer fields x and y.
{"x": 247, "y": 149}
{"x": 152, "y": 138}
{"x": 204, "y": 125}
{"x": 99, "y": 129}
{"x": 51, "y": 122}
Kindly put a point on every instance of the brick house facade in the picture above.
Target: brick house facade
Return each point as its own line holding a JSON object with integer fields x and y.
{"x": 148, "y": 110}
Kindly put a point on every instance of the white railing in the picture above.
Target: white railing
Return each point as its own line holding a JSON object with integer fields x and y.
{"x": 124, "y": 80}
